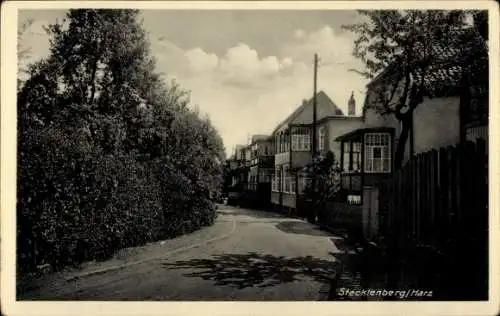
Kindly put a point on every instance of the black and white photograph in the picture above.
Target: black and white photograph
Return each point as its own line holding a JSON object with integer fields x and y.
{"x": 254, "y": 152}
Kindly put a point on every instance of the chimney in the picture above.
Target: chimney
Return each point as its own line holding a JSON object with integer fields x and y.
{"x": 351, "y": 105}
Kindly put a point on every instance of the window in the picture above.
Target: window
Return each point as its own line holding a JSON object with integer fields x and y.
{"x": 287, "y": 143}
{"x": 356, "y": 157}
{"x": 347, "y": 156}
{"x": 283, "y": 142}
{"x": 352, "y": 157}
{"x": 274, "y": 184}
{"x": 377, "y": 152}
{"x": 354, "y": 199}
{"x": 288, "y": 185}
{"x": 301, "y": 139}
{"x": 321, "y": 133}
{"x": 295, "y": 142}
{"x": 276, "y": 181}
{"x": 284, "y": 177}
{"x": 293, "y": 184}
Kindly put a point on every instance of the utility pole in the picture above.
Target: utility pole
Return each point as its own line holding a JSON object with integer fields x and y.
{"x": 313, "y": 156}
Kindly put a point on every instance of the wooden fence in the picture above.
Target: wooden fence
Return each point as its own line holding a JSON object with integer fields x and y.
{"x": 439, "y": 199}
{"x": 438, "y": 203}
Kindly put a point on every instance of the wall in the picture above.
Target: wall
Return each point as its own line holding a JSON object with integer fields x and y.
{"x": 262, "y": 145}
{"x": 281, "y": 158}
{"x": 351, "y": 181}
{"x": 324, "y": 107}
{"x": 436, "y": 123}
{"x": 275, "y": 197}
{"x": 370, "y": 213}
{"x": 289, "y": 200}
{"x": 337, "y": 127}
{"x": 375, "y": 119}
{"x": 300, "y": 158}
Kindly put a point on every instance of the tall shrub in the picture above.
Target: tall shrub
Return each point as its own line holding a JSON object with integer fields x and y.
{"x": 109, "y": 155}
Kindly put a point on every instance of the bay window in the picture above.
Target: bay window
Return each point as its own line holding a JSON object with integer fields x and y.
{"x": 377, "y": 153}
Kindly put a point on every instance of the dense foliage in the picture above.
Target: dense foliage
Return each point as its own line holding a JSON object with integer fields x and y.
{"x": 326, "y": 173}
{"x": 415, "y": 54}
{"x": 109, "y": 156}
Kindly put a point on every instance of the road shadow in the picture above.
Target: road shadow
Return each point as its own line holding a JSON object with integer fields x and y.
{"x": 251, "y": 213}
{"x": 303, "y": 228}
{"x": 257, "y": 270}
{"x": 342, "y": 244}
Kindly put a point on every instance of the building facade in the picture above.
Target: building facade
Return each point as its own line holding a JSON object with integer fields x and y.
{"x": 293, "y": 140}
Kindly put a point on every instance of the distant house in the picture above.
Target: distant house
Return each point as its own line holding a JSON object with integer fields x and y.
{"x": 261, "y": 161}
{"x": 252, "y": 167}
{"x": 238, "y": 171}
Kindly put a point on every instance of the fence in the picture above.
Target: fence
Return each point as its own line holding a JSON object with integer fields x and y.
{"x": 438, "y": 198}
{"x": 439, "y": 202}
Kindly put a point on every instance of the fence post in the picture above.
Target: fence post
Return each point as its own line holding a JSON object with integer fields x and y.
{"x": 453, "y": 219}
{"x": 433, "y": 201}
{"x": 443, "y": 185}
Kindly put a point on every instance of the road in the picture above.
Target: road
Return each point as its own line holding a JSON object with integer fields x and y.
{"x": 259, "y": 256}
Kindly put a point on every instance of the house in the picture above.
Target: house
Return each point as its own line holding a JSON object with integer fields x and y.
{"x": 454, "y": 109}
{"x": 293, "y": 141}
{"x": 257, "y": 192}
{"x": 238, "y": 171}
{"x": 252, "y": 168}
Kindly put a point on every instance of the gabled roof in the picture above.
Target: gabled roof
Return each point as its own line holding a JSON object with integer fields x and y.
{"x": 322, "y": 102}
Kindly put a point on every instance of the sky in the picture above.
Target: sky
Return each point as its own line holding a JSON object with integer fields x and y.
{"x": 246, "y": 69}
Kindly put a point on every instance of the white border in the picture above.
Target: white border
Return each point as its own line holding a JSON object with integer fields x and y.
{"x": 8, "y": 177}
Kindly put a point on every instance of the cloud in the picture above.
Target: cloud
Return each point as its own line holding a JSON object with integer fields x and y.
{"x": 242, "y": 65}
{"x": 332, "y": 47}
{"x": 299, "y": 34}
{"x": 200, "y": 61}
{"x": 245, "y": 92}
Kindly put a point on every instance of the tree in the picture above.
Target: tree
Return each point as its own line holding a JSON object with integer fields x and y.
{"x": 23, "y": 52}
{"x": 412, "y": 54}
{"x": 327, "y": 172}
{"x": 109, "y": 154}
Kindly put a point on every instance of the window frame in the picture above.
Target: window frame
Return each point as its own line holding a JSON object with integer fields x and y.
{"x": 301, "y": 139}
{"x": 382, "y": 141}
{"x": 348, "y": 153}
{"x": 321, "y": 138}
